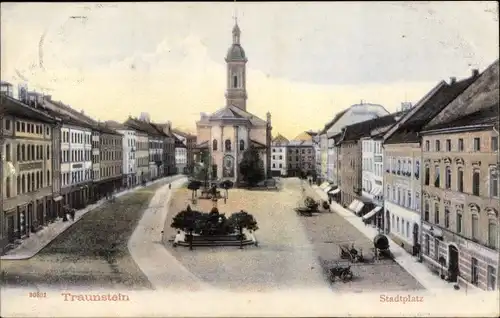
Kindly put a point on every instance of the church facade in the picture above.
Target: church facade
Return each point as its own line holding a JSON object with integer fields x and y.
{"x": 223, "y": 136}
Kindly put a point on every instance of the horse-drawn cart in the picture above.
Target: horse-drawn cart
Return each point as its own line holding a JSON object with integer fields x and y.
{"x": 308, "y": 208}
{"x": 351, "y": 253}
{"x": 341, "y": 271}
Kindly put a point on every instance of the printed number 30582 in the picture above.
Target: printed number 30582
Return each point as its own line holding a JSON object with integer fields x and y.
{"x": 37, "y": 295}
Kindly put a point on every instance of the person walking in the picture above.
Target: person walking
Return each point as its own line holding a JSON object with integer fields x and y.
{"x": 169, "y": 186}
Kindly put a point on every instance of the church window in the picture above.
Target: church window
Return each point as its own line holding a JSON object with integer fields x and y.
{"x": 228, "y": 145}
{"x": 235, "y": 81}
{"x": 242, "y": 144}
{"x": 214, "y": 145}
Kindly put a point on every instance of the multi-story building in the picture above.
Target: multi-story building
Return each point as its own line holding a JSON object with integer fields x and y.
{"x": 461, "y": 186}
{"x": 168, "y": 155}
{"x": 352, "y": 115}
{"x": 129, "y": 144}
{"x": 27, "y": 180}
{"x": 111, "y": 159}
{"x": 279, "y": 156}
{"x": 402, "y": 162}
{"x": 317, "y": 156}
{"x": 350, "y": 155}
{"x": 180, "y": 154}
{"x": 95, "y": 193}
{"x": 300, "y": 158}
{"x": 76, "y": 162}
{"x": 190, "y": 141}
{"x": 142, "y": 157}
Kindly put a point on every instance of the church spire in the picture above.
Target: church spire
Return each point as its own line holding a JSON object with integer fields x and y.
{"x": 236, "y": 31}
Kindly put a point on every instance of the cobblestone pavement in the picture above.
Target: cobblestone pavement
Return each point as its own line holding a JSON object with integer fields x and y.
{"x": 293, "y": 251}
{"x": 93, "y": 252}
{"x": 327, "y": 230}
{"x": 284, "y": 258}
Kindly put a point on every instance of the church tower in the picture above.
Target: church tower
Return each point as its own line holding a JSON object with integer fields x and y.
{"x": 236, "y": 93}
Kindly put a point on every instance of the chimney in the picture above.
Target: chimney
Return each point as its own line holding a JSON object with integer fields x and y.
{"x": 82, "y": 112}
{"x": 453, "y": 80}
{"x": 475, "y": 72}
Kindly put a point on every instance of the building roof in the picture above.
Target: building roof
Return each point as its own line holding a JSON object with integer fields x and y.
{"x": 280, "y": 139}
{"x": 237, "y": 112}
{"x": 143, "y": 126}
{"x": 487, "y": 116}
{"x": 183, "y": 133}
{"x": 333, "y": 121}
{"x": 425, "y": 110}
{"x": 5, "y": 83}
{"x": 257, "y": 144}
{"x": 65, "y": 118}
{"x": 304, "y": 136}
{"x": 116, "y": 125}
{"x": 16, "y": 108}
{"x": 226, "y": 113}
{"x": 363, "y": 129}
{"x": 203, "y": 145}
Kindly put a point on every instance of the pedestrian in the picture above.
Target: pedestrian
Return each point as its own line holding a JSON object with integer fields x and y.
{"x": 252, "y": 237}
{"x": 179, "y": 237}
{"x": 72, "y": 214}
{"x": 169, "y": 186}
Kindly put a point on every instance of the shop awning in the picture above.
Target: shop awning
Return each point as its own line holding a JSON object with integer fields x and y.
{"x": 58, "y": 198}
{"x": 376, "y": 190}
{"x": 334, "y": 191}
{"x": 358, "y": 207}
{"x": 353, "y": 205}
{"x": 327, "y": 189}
{"x": 324, "y": 185}
{"x": 372, "y": 213}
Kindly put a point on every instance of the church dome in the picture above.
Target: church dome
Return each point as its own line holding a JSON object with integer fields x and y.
{"x": 236, "y": 53}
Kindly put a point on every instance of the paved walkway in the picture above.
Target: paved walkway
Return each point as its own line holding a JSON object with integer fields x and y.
{"x": 418, "y": 270}
{"x": 145, "y": 245}
{"x": 37, "y": 241}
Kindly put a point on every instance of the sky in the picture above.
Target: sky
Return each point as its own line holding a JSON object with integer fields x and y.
{"x": 306, "y": 60}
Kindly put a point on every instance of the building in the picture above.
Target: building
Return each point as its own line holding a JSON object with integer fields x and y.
{"x": 110, "y": 160}
{"x": 461, "y": 186}
{"x": 402, "y": 162}
{"x": 129, "y": 144}
{"x": 27, "y": 151}
{"x": 279, "y": 156}
{"x": 352, "y": 115}
{"x": 224, "y": 135}
{"x": 372, "y": 166}
{"x": 168, "y": 155}
{"x": 155, "y": 145}
{"x": 350, "y": 157}
{"x": 180, "y": 154}
{"x": 6, "y": 89}
{"x": 190, "y": 142}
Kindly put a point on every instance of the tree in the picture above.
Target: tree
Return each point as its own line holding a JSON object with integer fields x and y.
{"x": 194, "y": 186}
{"x": 252, "y": 167}
{"x": 243, "y": 220}
{"x": 186, "y": 221}
{"x": 226, "y": 185}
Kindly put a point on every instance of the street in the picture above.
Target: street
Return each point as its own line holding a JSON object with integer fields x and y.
{"x": 91, "y": 253}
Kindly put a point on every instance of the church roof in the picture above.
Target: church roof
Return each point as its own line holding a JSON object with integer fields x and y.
{"x": 257, "y": 144}
{"x": 233, "y": 112}
{"x": 225, "y": 113}
{"x": 236, "y": 53}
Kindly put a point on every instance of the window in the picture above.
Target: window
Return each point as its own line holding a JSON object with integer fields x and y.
{"x": 436, "y": 213}
{"x": 475, "y": 182}
{"x": 475, "y": 227}
{"x": 436, "y": 177}
{"x": 7, "y": 124}
{"x": 242, "y": 145}
{"x": 448, "y": 144}
{"x": 427, "y": 175}
{"x": 407, "y": 229}
{"x": 494, "y": 143}
{"x": 426, "y": 245}
{"x": 460, "y": 144}
{"x": 426, "y": 211}
{"x": 438, "y": 145}
{"x": 48, "y": 152}
{"x": 235, "y": 81}
{"x": 228, "y": 144}
{"x": 7, "y": 187}
{"x": 446, "y": 217}
{"x": 477, "y": 144}
{"x": 427, "y": 145}
{"x": 460, "y": 180}
{"x": 7, "y": 152}
{"x": 448, "y": 178}
{"x": 409, "y": 199}
{"x": 493, "y": 183}
{"x": 474, "y": 272}
{"x": 436, "y": 249}
{"x": 492, "y": 277}
{"x": 459, "y": 222}
{"x": 48, "y": 177}
{"x": 214, "y": 145}
{"x": 417, "y": 169}
{"x": 417, "y": 202}
{"x": 397, "y": 224}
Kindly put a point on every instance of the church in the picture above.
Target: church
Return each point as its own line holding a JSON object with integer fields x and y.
{"x": 223, "y": 136}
